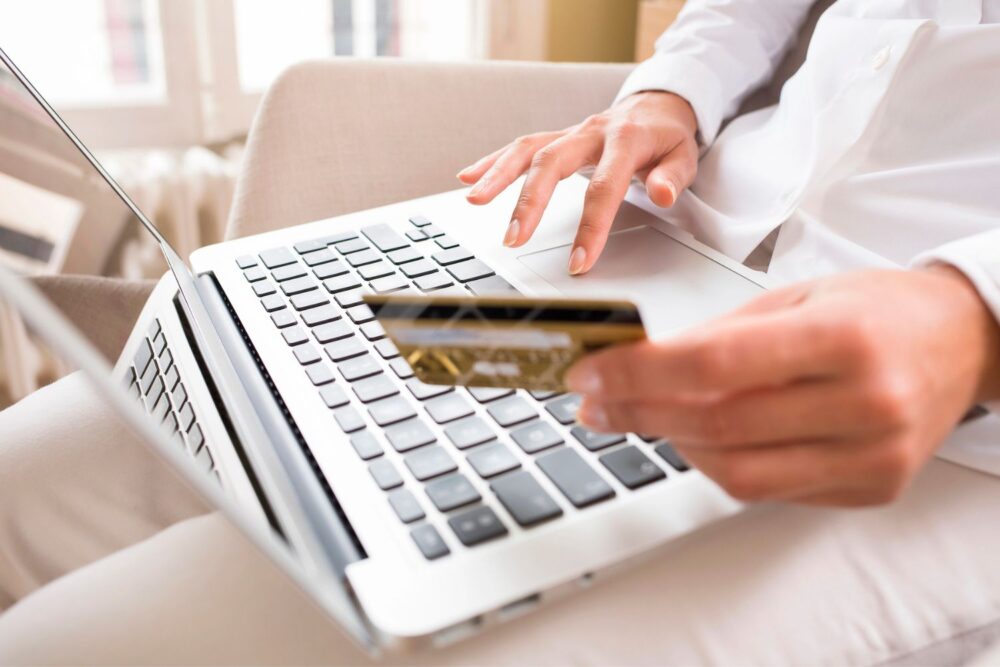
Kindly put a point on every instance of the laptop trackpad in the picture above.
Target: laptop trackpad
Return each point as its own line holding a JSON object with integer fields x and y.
{"x": 674, "y": 286}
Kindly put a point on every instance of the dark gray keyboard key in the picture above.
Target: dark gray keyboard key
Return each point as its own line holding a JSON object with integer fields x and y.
{"x": 391, "y": 410}
{"x": 525, "y": 499}
{"x": 408, "y": 435}
{"x": 452, "y": 491}
{"x": 366, "y": 445}
{"x": 244, "y": 262}
{"x": 359, "y": 368}
{"x": 469, "y": 433}
{"x": 364, "y": 257}
{"x": 406, "y": 506}
{"x": 277, "y": 257}
{"x": 432, "y": 231}
{"x": 349, "y": 419}
{"x": 319, "y": 374}
{"x": 331, "y": 270}
{"x": 263, "y": 288}
{"x": 434, "y": 281}
{"x": 373, "y": 331}
{"x": 143, "y": 355}
{"x": 430, "y": 462}
{"x": 491, "y": 285}
{"x": 476, "y": 526}
{"x": 298, "y": 286}
{"x": 564, "y": 409}
{"x": 374, "y": 388}
{"x": 333, "y": 396}
{"x": 491, "y": 460}
{"x": 345, "y": 349}
{"x": 446, "y": 242}
{"x": 536, "y": 436}
{"x": 348, "y": 299}
{"x": 319, "y": 257}
{"x": 331, "y": 331}
{"x": 386, "y": 349}
{"x": 385, "y": 474}
{"x": 388, "y": 284}
{"x": 421, "y": 267}
{"x": 404, "y": 255}
{"x": 294, "y": 335}
{"x": 283, "y": 318}
{"x": 379, "y": 269}
{"x": 448, "y": 408}
{"x": 668, "y": 454}
{"x": 185, "y": 417}
{"x": 422, "y": 391}
{"x": 254, "y": 274}
{"x": 574, "y": 477}
{"x": 452, "y": 256}
{"x": 472, "y": 269}
{"x": 595, "y": 441}
{"x": 631, "y": 467}
{"x": 419, "y": 221}
{"x": 321, "y": 315}
{"x": 384, "y": 237}
{"x": 429, "y": 542}
{"x": 416, "y": 235}
{"x": 401, "y": 368}
{"x": 309, "y": 300}
{"x": 273, "y": 303}
{"x": 352, "y": 246}
{"x": 302, "y": 247}
{"x": 283, "y": 273}
{"x": 341, "y": 284}
{"x": 306, "y": 354}
{"x": 360, "y": 314}
{"x": 487, "y": 394}
{"x": 511, "y": 410}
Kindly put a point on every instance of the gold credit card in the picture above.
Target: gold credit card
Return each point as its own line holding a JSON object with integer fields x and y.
{"x": 515, "y": 342}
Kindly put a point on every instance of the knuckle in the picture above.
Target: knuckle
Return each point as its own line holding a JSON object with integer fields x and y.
{"x": 709, "y": 361}
{"x": 545, "y": 158}
{"x": 602, "y": 186}
{"x": 593, "y": 121}
{"x": 890, "y": 401}
{"x": 526, "y": 200}
{"x": 525, "y": 142}
{"x": 625, "y": 131}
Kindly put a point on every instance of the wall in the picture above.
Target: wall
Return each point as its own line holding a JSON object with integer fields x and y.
{"x": 592, "y": 30}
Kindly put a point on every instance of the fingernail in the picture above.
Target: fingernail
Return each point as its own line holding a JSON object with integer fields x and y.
{"x": 477, "y": 188}
{"x": 577, "y": 260}
{"x": 594, "y": 416}
{"x": 583, "y": 380}
{"x": 673, "y": 192}
{"x": 513, "y": 231}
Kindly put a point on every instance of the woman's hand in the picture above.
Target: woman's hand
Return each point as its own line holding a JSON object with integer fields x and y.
{"x": 833, "y": 392}
{"x": 651, "y": 134}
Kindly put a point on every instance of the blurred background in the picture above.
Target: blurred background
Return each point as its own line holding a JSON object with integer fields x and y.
{"x": 165, "y": 91}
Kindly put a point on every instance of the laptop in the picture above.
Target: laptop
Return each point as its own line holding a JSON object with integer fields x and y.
{"x": 413, "y": 514}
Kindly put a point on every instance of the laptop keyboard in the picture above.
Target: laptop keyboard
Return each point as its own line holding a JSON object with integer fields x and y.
{"x": 154, "y": 380}
{"x": 312, "y": 292}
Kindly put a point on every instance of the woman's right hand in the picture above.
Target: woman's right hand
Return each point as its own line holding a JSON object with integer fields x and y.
{"x": 649, "y": 134}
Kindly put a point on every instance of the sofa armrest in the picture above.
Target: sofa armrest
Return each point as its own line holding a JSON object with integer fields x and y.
{"x": 342, "y": 135}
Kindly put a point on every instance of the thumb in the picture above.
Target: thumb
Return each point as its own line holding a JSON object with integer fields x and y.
{"x": 673, "y": 174}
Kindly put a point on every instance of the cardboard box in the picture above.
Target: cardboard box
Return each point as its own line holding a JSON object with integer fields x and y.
{"x": 655, "y": 16}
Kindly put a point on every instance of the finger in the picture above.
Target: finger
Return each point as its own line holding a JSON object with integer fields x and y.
{"x": 559, "y": 160}
{"x": 508, "y": 166}
{"x": 752, "y": 352}
{"x": 804, "y": 411}
{"x": 608, "y": 185}
{"x": 475, "y": 171}
{"x": 673, "y": 174}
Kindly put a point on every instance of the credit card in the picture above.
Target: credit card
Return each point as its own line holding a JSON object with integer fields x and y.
{"x": 511, "y": 342}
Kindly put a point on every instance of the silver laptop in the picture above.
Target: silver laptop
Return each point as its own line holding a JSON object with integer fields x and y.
{"x": 413, "y": 514}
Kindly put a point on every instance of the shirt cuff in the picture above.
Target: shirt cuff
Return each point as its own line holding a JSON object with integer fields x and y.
{"x": 684, "y": 76}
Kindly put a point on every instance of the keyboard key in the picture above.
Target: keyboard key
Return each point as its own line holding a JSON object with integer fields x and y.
{"x": 143, "y": 355}
{"x": 321, "y": 315}
{"x": 510, "y": 411}
{"x": 525, "y": 499}
{"x": 668, "y": 454}
{"x": 334, "y": 396}
{"x": 574, "y": 477}
{"x": 404, "y": 255}
{"x": 331, "y": 331}
{"x": 385, "y": 347}
{"x": 377, "y": 270}
{"x": 536, "y": 436}
{"x": 429, "y": 542}
{"x": 446, "y": 242}
{"x": 359, "y": 368}
{"x": 283, "y": 273}
{"x": 277, "y": 257}
{"x": 593, "y": 440}
{"x": 448, "y": 408}
{"x": 406, "y": 506}
{"x": 477, "y": 526}
{"x": 360, "y": 314}
{"x": 487, "y": 394}
{"x": 162, "y": 409}
{"x": 469, "y": 433}
{"x": 373, "y": 330}
{"x": 349, "y": 419}
{"x": 543, "y": 395}
{"x": 632, "y": 467}
{"x": 283, "y": 318}
{"x": 348, "y": 299}
{"x": 306, "y": 354}
{"x": 147, "y": 380}
{"x": 341, "y": 284}
{"x": 385, "y": 474}
{"x": 319, "y": 374}
{"x": 179, "y": 395}
{"x": 351, "y": 246}
{"x": 490, "y": 285}
{"x": 374, "y": 388}
{"x": 298, "y": 286}
{"x": 421, "y": 267}
{"x": 171, "y": 377}
{"x": 472, "y": 269}
{"x": 302, "y": 247}
{"x": 254, "y": 274}
{"x": 384, "y": 237}
{"x": 185, "y": 417}
{"x": 408, "y": 435}
{"x": 433, "y": 281}
{"x": 345, "y": 349}
{"x": 416, "y": 235}
{"x": 564, "y": 409}
{"x": 319, "y": 257}
{"x": 339, "y": 237}
{"x": 204, "y": 459}
{"x": 244, "y": 262}
{"x": 273, "y": 303}
{"x": 419, "y": 221}
{"x": 452, "y": 491}
{"x": 491, "y": 460}
{"x": 401, "y": 368}
{"x": 195, "y": 439}
{"x": 391, "y": 410}
{"x": 366, "y": 445}
{"x": 453, "y": 256}
{"x": 331, "y": 270}
{"x": 430, "y": 462}
{"x": 388, "y": 284}
{"x": 309, "y": 300}
{"x": 364, "y": 257}
{"x": 422, "y": 391}
{"x": 432, "y": 231}
{"x": 263, "y": 288}
{"x": 295, "y": 335}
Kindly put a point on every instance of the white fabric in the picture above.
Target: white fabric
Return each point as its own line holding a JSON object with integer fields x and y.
{"x": 883, "y": 151}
